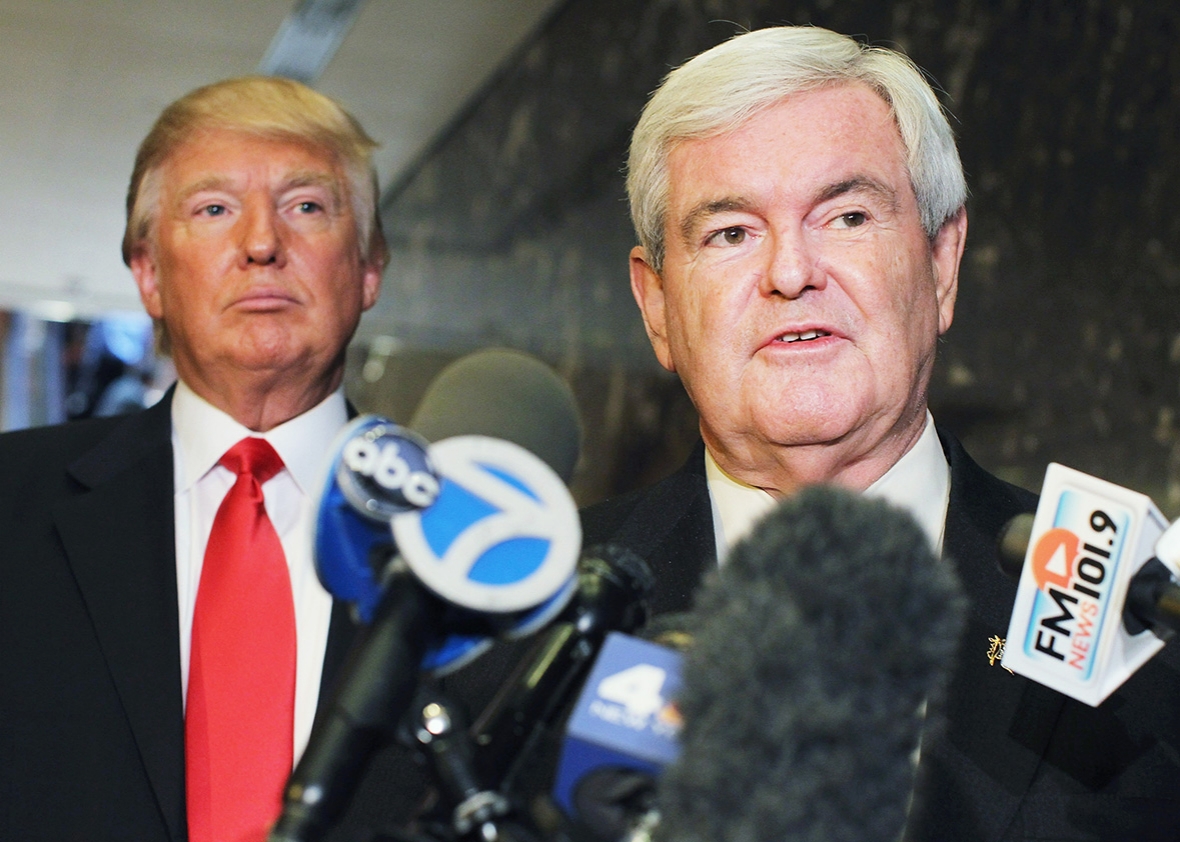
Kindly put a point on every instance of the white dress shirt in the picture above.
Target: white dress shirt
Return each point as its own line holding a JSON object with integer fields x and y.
{"x": 201, "y": 434}
{"x": 919, "y": 482}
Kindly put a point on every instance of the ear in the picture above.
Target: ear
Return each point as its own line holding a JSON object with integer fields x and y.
{"x": 946, "y": 253}
{"x": 648, "y": 288}
{"x": 371, "y": 285}
{"x": 143, "y": 269}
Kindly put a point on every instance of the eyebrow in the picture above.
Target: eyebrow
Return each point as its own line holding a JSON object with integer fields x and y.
{"x": 311, "y": 178}
{"x": 297, "y": 179}
{"x": 858, "y": 184}
{"x": 213, "y": 182}
{"x": 704, "y": 210}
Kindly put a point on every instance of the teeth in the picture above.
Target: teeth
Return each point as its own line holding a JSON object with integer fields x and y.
{"x": 805, "y": 335}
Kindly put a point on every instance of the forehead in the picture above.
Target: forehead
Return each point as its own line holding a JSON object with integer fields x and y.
{"x": 802, "y": 142}
{"x": 225, "y": 157}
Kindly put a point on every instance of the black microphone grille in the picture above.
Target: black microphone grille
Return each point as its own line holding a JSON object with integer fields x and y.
{"x": 815, "y": 650}
{"x": 508, "y": 395}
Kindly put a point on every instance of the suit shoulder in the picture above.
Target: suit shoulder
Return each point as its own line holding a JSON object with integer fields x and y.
{"x": 603, "y": 519}
{"x": 88, "y": 450}
{"x": 993, "y": 499}
{"x": 654, "y": 507}
{"x": 58, "y": 444}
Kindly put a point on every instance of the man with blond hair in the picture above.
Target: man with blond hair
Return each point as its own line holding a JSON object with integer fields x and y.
{"x": 799, "y": 204}
{"x": 165, "y": 638}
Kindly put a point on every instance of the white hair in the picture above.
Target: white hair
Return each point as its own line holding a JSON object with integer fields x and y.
{"x": 718, "y": 90}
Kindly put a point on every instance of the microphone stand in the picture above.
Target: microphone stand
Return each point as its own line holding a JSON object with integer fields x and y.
{"x": 379, "y": 681}
{"x": 478, "y": 813}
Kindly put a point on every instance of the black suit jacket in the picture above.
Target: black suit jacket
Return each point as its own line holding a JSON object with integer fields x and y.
{"x": 91, "y": 713}
{"x": 1012, "y": 760}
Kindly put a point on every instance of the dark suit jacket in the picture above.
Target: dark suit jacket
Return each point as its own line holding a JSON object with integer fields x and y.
{"x": 1012, "y": 760}
{"x": 91, "y": 714}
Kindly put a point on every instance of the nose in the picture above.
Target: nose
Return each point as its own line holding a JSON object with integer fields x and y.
{"x": 793, "y": 266}
{"x": 261, "y": 233}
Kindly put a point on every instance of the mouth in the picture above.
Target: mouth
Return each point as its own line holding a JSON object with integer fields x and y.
{"x": 802, "y": 336}
{"x": 265, "y": 299}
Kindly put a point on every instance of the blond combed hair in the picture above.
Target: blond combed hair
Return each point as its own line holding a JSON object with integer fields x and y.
{"x": 718, "y": 90}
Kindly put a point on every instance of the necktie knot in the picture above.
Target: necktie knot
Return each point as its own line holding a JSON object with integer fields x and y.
{"x": 253, "y": 456}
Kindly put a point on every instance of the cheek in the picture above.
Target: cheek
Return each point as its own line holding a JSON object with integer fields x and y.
{"x": 899, "y": 293}
{"x": 708, "y": 301}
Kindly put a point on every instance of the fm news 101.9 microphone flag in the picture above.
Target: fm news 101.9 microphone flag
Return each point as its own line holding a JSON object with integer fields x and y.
{"x": 1091, "y": 546}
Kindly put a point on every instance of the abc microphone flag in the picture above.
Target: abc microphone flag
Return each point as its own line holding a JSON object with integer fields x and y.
{"x": 501, "y": 540}
{"x": 487, "y": 541}
{"x": 376, "y": 470}
{"x": 1089, "y": 539}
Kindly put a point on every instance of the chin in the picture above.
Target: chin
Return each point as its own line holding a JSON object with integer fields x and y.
{"x": 268, "y": 342}
{"x": 804, "y": 436}
{"x": 806, "y": 419}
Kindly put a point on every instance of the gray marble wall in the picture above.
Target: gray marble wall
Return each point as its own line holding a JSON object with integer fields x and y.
{"x": 1066, "y": 346}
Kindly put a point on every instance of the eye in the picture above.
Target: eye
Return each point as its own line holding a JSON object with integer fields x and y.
{"x": 729, "y": 236}
{"x": 213, "y": 210}
{"x": 309, "y": 207}
{"x": 853, "y": 219}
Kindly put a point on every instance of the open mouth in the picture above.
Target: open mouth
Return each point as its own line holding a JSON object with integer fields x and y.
{"x": 805, "y": 336}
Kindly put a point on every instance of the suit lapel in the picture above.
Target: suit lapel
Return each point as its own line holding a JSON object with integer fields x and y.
{"x": 984, "y": 700}
{"x": 118, "y": 539}
{"x": 342, "y": 631}
{"x": 341, "y": 634}
{"x": 672, "y": 529}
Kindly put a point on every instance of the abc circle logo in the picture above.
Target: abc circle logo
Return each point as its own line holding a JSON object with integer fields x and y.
{"x": 385, "y": 469}
{"x": 503, "y": 534}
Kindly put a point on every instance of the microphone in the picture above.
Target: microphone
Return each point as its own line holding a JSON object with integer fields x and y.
{"x": 501, "y": 538}
{"x": 489, "y": 546}
{"x": 502, "y": 394}
{"x": 622, "y": 733}
{"x": 1097, "y": 594}
{"x": 377, "y": 469}
{"x": 814, "y": 654}
{"x": 376, "y": 466}
{"x": 509, "y": 395}
{"x": 477, "y": 767}
{"x": 623, "y": 729}
{"x": 379, "y": 678}
{"x": 613, "y": 587}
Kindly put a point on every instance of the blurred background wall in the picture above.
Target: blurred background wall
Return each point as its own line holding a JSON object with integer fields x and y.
{"x": 510, "y": 228}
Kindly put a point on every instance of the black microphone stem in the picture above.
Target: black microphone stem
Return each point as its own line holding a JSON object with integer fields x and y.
{"x": 613, "y": 585}
{"x": 376, "y": 688}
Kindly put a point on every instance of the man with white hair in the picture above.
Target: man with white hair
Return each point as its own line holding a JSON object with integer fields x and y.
{"x": 799, "y": 204}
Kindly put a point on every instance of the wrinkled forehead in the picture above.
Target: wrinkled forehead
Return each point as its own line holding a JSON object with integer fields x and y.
{"x": 826, "y": 135}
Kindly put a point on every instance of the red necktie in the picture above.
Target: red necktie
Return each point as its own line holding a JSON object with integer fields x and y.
{"x": 241, "y": 687}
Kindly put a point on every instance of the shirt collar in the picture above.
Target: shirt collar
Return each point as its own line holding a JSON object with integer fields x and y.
{"x": 203, "y": 433}
{"x": 736, "y": 506}
{"x": 919, "y": 483}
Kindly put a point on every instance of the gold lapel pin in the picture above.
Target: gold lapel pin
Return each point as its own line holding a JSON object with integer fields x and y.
{"x": 995, "y": 652}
